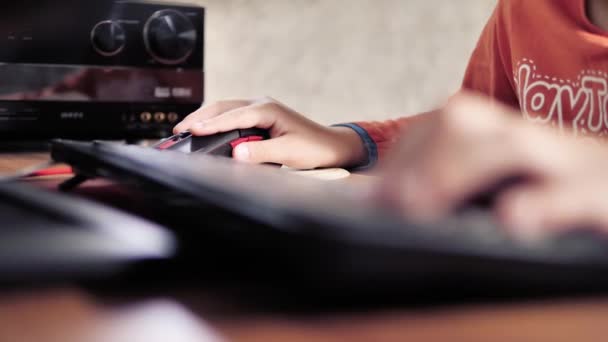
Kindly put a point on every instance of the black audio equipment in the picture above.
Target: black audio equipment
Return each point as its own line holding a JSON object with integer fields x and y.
{"x": 103, "y": 69}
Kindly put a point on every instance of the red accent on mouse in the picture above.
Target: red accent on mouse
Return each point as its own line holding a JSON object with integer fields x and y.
{"x": 239, "y": 141}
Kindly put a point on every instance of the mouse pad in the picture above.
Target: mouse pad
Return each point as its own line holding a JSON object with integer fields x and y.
{"x": 324, "y": 174}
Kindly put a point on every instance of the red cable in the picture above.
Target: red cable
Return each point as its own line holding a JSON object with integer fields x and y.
{"x": 53, "y": 171}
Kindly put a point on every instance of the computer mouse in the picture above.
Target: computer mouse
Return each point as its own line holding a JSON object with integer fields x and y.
{"x": 220, "y": 144}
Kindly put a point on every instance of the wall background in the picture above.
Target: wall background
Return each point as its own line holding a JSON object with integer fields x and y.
{"x": 341, "y": 60}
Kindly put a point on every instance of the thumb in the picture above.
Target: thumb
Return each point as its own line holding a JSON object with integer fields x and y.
{"x": 258, "y": 152}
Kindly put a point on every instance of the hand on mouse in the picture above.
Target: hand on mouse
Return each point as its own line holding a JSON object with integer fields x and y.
{"x": 295, "y": 142}
{"x": 473, "y": 144}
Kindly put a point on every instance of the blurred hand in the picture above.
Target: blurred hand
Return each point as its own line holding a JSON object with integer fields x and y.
{"x": 296, "y": 142}
{"x": 472, "y": 146}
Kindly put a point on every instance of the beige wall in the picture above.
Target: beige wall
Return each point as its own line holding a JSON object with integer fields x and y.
{"x": 340, "y": 60}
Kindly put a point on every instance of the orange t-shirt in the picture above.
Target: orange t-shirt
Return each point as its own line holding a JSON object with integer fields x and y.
{"x": 544, "y": 57}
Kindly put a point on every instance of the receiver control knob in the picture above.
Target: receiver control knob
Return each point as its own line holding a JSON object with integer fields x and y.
{"x": 108, "y": 38}
{"x": 170, "y": 37}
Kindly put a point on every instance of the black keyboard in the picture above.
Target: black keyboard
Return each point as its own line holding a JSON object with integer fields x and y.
{"x": 332, "y": 229}
{"x": 50, "y": 236}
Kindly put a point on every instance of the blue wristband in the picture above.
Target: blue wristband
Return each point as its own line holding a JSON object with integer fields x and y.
{"x": 368, "y": 143}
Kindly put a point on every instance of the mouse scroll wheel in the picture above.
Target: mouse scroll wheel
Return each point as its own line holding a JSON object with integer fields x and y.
{"x": 166, "y": 144}
{"x": 239, "y": 141}
{"x": 169, "y": 142}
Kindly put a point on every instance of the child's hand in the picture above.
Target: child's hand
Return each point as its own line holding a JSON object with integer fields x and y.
{"x": 473, "y": 145}
{"x": 296, "y": 142}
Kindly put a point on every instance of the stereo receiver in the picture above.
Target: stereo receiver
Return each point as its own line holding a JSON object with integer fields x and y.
{"x": 103, "y": 69}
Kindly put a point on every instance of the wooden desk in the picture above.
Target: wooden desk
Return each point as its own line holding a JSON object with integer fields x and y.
{"x": 16, "y": 161}
{"x": 68, "y": 315}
